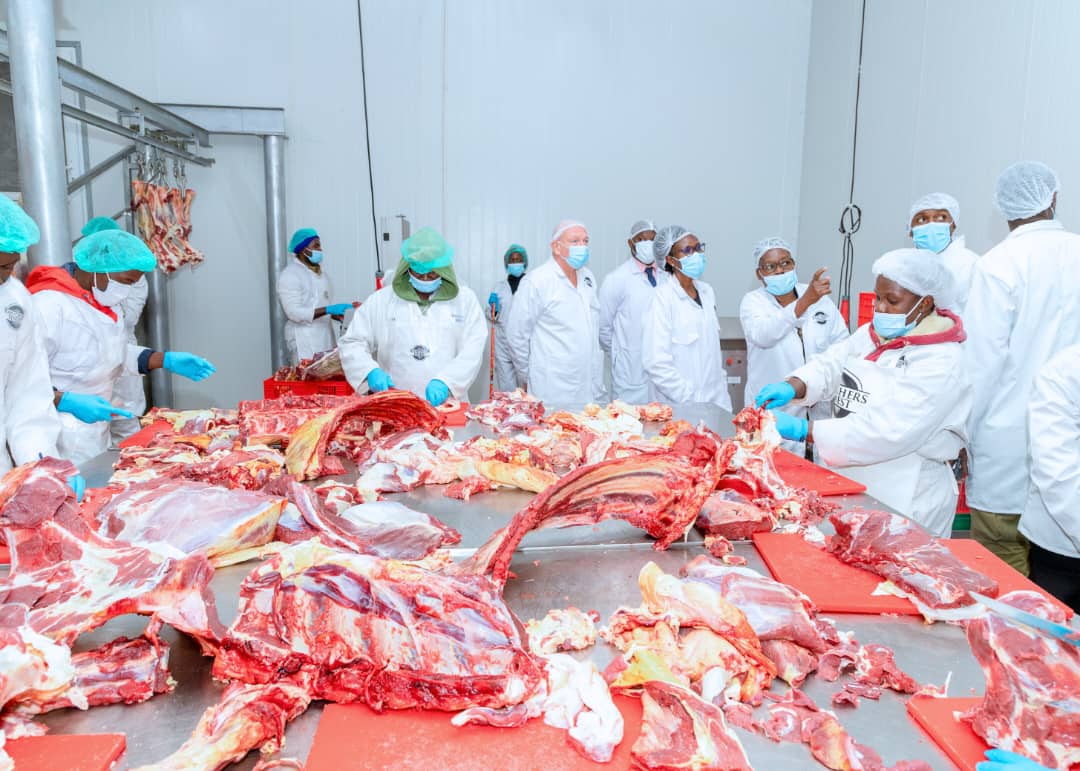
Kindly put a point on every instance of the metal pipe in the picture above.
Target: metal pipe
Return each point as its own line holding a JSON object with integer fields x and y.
{"x": 274, "y": 170}
{"x": 135, "y": 136}
{"x": 157, "y": 333}
{"x": 96, "y": 171}
{"x": 38, "y": 127}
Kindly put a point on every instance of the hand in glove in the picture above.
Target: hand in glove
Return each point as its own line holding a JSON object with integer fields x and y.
{"x": 378, "y": 380}
{"x": 189, "y": 365}
{"x": 338, "y": 309}
{"x": 775, "y": 395}
{"x": 1001, "y": 760}
{"x": 89, "y": 408}
{"x": 791, "y": 427}
{"x": 78, "y": 484}
{"x": 493, "y": 299}
{"x": 437, "y": 392}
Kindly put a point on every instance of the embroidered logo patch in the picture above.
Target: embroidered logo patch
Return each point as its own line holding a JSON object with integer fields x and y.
{"x": 15, "y": 315}
{"x": 419, "y": 352}
{"x": 850, "y": 397}
{"x": 820, "y": 317}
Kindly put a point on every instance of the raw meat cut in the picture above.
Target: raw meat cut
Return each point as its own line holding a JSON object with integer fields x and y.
{"x": 679, "y": 730}
{"x": 464, "y": 489}
{"x": 191, "y": 517}
{"x": 579, "y": 701}
{"x": 274, "y": 421}
{"x": 661, "y": 493}
{"x": 355, "y": 424}
{"x": 246, "y": 718}
{"x": 163, "y": 221}
{"x": 730, "y": 514}
{"x": 325, "y": 365}
{"x": 508, "y": 411}
{"x": 393, "y": 635}
{"x": 404, "y": 460}
{"x": 1032, "y": 700}
{"x": 794, "y": 663}
{"x": 561, "y": 629}
{"x": 901, "y": 551}
{"x": 192, "y": 422}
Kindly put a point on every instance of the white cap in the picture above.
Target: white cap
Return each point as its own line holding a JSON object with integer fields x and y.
{"x": 565, "y": 225}
{"x": 640, "y": 227}
{"x": 918, "y": 270}
{"x": 934, "y": 201}
{"x": 1025, "y": 189}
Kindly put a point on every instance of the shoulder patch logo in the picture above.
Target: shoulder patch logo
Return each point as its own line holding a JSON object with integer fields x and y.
{"x": 15, "y": 315}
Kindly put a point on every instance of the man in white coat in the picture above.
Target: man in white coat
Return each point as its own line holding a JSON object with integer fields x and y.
{"x": 625, "y": 295}
{"x": 1051, "y": 518}
{"x": 932, "y": 223}
{"x": 30, "y": 425}
{"x": 555, "y": 323}
{"x": 304, "y": 291}
{"x": 1024, "y": 306}
{"x": 899, "y": 392}
{"x": 515, "y": 262}
{"x": 786, "y": 323}
{"x": 423, "y": 333}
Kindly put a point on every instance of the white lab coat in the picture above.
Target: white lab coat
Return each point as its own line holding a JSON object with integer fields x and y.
{"x": 554, "y": 336}
{"x": 128, "y": 391}
{"x": 415, "y": 345}
{"x": 777, "y": 341}
{"x": 301, "y": 290}
{"x": 624, "y": 297}
{"x": 506, "y": 377}
{"x": 898, "y": 421}
{"x": 31, "y": 426}
{"x": 681, "y": 350}
{"x": 961, "y": 262}
{"x": 1024, "y": 307}
{"x": 1051, "y": 515}
{"x": 87, "y": 352}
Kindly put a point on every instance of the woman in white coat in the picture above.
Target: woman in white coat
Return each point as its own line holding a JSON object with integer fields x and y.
{"x": 786, "y": 324}
{"x": 423, "y": 333}
{"x": 78, "y": 305}
{"x": 304, "y": 291}
{"x": 899, "y": 391}
{"x": 681, "y": 350}
{"x": 515, "y": 262}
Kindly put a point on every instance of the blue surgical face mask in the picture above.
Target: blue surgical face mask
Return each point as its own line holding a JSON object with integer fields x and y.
{"x": 577, "y": 256}
{"x": 315, "y": 258}
{"x": 692, "y": 265}
{"x": 890, "y": 325}
{"x": 516, "y": 269}
{"x": 779, "y": 284}
{"x": 425, "y": 287}
{"x": 934, "y": 236}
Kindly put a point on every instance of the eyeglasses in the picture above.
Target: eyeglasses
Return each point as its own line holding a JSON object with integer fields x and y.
{"x": 688, "y": 250}
{"x": 768, "y": 268}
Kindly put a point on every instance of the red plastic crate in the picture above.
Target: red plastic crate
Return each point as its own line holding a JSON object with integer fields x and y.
{"x": 272, "y": 389}
{"x": 866, "y": 307}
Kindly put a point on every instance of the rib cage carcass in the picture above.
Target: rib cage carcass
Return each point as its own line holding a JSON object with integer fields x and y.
{"x": 163, "y": 221}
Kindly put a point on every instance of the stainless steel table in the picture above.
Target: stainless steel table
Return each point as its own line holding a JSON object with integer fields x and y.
{"x": 589, "y": 567}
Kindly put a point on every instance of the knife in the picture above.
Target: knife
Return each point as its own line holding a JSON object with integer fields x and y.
{"x": 1048, "y": 628}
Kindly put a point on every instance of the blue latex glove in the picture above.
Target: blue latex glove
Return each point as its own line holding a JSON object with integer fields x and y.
{"x": 791, "y": 427}
{"x": 378, "y": 380}
{"x": 338, "y": 309}
{"x": 775, "y": 395}
{"x": 437, "y": 392}
{"x": 493, "y": 299}
{"x": 189, "y": 365}
{"x": 78, "y": 484}
{"x": 89, "y": 408}
{"x": 1002, "y": 760}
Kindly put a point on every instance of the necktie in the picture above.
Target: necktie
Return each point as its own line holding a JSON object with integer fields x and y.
{"x": 649, "y": 274}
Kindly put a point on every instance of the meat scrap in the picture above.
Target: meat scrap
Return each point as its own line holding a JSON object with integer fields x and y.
{"x": 903, "y": 552}
{"x": 274, "y": 421}
{"x": 508, "y": 411}
{"x": 464, "y": 489}
{"x": 1032, "y": 701}
{"x": 579, "y": 701}
{"x": 393, "y": 635}
{"x": 730, "y": 514}
{"x": 562, "y": 629}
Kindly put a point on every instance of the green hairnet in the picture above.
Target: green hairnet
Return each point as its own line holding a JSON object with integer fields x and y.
{"x": 17, "y": 229}
{"x": 97, "y": 224}
{"x": 113, "y": 251}
{"x": 426, "y": 251}
{"x": 301, "y": 238}
{"x": 516, "y": 249}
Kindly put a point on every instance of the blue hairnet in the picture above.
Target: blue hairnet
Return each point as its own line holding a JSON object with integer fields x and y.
{"x": 516, "y": 249}
{"x": 640, "y": 227}
{"x": 426, "y": 250}
{"x": 772, "y": 242}
{"x": 113, "y": 251}
{"x": 934, "y": 201}
{"x": 1025, "y": 189}
{"x": 301, "y": 238}
{"x": 920, "y": 271}
{"x": 97, "y": 224}
{"x": 17, "y": 229}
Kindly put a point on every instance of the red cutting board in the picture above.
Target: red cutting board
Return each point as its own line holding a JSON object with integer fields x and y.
{"x": 963, "y": 746}
{"x": 836, "y": 587}
{"x": 419, "y": 739}
{"x": 799, "y": 472}
{"x": 457, "y": 416}
{"x": 144, "y": 436}
{"x": 66, "y": 752}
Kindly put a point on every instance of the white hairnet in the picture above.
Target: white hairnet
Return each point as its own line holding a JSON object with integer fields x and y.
{"x": 640, "y": 227}
{"x": 920, "y": 271}
{"x": 934, "y": 201}
{"x": 666, "y": 237}
{"x": 565, "y": 225}
{"x": 1025, "y": 189}
{"x": 772, "y": 242}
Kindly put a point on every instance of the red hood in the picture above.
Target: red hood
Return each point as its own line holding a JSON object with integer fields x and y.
{"x": 48, "y": 277}
{"x": 955, "y": 334}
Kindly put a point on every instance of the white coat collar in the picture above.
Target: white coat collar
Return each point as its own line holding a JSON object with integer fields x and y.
{"x": 1031, "y": 227}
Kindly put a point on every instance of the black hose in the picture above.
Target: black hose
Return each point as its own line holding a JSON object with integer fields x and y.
{"x": 851, "y": 217}
{"x": 367, "y": 141}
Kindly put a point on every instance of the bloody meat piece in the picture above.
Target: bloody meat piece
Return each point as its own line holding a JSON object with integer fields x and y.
{"x": 731, "y": 514}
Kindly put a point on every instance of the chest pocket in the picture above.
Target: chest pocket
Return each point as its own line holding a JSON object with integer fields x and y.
{"x": 81, "y": 349}
{"x": 687, "y": 335}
